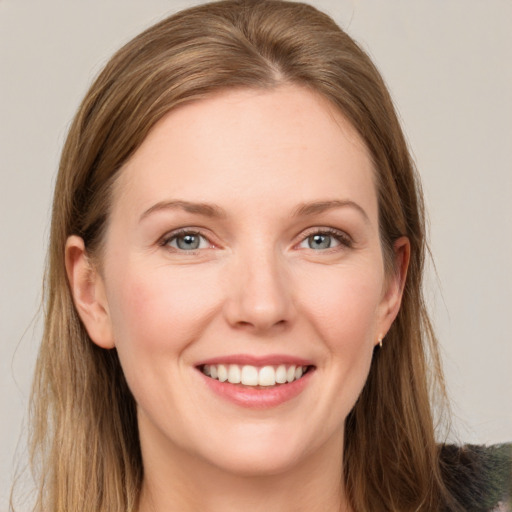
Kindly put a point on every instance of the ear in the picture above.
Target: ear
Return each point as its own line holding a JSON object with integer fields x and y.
{"x": 394, "y": 287}
{"x": 88, "y": 291}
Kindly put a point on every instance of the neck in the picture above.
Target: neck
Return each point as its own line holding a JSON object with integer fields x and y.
{"x": 180, "y": 482}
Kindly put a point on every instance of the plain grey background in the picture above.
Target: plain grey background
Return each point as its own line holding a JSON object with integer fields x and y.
{"x": 448, "y": 64}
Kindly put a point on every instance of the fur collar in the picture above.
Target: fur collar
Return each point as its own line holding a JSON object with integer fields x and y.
{"x": 478, "y": 477}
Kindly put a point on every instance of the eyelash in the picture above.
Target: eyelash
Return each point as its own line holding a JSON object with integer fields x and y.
{"x": 167, "y": 239}
{"x": 340, "y": 236}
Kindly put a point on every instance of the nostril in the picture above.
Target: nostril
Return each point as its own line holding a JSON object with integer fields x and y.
{"x": 261, "y": 324}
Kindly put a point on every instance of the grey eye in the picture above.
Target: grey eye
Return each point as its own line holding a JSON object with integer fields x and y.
{"x": 319, "y": 241}
{"x": 188, "y": 242}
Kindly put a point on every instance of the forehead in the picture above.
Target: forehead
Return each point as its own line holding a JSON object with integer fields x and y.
{"x": 287, "y": 143}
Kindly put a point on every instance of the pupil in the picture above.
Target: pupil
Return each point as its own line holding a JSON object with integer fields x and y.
{"x": 320, "y": 241}
{"x": 188, "y": 242}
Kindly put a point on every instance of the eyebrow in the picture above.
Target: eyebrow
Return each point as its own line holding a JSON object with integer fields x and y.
{"x": 314, "y": 208}
{"x": 214, "y": 211}
{"x": 205, "y": 209}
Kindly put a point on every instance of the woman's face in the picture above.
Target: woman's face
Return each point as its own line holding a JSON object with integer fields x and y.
{"x": 244, "y": 243}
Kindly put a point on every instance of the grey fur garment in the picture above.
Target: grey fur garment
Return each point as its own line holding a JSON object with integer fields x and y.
{"x": 479, "y": 477}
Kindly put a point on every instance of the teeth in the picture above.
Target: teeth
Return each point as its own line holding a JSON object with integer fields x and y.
{"x": 267, "y": 376}
{"x": 249, "y": 375}
{"x": 281, "y": 374}
{"x": 222, "y": 373}
{"x": 234, "y": 374}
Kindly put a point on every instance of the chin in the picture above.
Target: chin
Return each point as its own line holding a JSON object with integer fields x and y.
{"x": 250, "y": 464}
{"x": 260, "y": 452}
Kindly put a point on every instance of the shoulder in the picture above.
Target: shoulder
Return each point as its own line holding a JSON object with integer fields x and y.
{"x": 479, "y": 477}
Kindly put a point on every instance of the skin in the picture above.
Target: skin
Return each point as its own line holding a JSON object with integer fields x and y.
{"x": 256, "y": 285}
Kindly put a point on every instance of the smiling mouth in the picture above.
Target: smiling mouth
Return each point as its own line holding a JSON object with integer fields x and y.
{"x": 257, "y": 377}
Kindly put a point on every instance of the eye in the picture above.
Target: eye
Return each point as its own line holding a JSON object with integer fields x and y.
{"x": 325, "y": 239}
{"x": 186, "y": 241}
{"x": 320, "y": 241}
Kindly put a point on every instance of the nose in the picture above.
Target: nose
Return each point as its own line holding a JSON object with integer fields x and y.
{"x": 259, "y": 295}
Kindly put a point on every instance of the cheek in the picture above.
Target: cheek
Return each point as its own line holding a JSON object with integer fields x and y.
{"x": 343, "y": 303}
{"x": 341, "y": 306}
{"x": 160, "y": 310}
{"x": 157, "y": 313}
{"x": 345, "y": 314}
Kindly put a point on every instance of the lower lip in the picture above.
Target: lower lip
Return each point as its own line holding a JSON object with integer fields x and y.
{"x": 258, "y": 398}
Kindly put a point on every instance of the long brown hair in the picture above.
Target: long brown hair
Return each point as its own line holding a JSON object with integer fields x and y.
{"x": 84, "y": 439}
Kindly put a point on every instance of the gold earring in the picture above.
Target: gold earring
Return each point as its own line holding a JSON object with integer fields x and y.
{"x": 380, "y": 341}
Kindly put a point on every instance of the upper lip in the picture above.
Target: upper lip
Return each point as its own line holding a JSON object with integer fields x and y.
{"x": 266, "y": 360}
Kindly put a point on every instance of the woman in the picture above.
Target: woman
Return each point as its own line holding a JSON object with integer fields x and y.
{"x": 234, "y": 310}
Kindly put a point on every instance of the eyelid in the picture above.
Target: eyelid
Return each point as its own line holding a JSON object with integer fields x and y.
{"x": 342, "y": 236}
{"x": 165, "y": 239}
